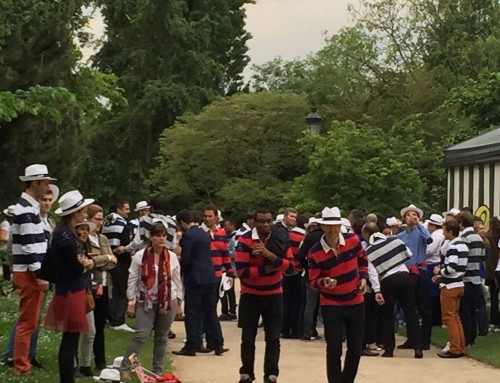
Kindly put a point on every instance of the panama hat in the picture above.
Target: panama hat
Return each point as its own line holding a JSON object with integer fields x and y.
{"x": 436, "y": 219}
{"x": 392, "y": 221}
{"x": 36, "y": 172}
{"x": 330, "y": 216}
{"x": 346, "y": 223}
{"x": 117, "y": 362}
{"x": 72, "y": 201}
{"x": 9, "y": 212}
{"x": 92, "y": 226}
{"x": 312, "y": 221}
{"x": 225, "y": 284}
{"x": 109, "y": 375}
{"x": 141, "y": 205}
{"x": 55, "y": 192}
{"x": 412, "y": 208}
{"x": 279, "y": 218}
{"x": 453, "y": 211}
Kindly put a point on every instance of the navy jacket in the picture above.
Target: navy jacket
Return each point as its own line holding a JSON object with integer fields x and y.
{"x": 196, "y": 258}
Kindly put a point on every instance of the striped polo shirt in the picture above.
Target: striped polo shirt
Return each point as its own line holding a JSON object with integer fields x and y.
{"x": 251, "y": 267}
{"x": 476, "y": 255}
{"x": 347, "y": 264}
{"x": 143, "y": 234}
{"x": 386, "y": 253}
{"x": 219, "y": 251}
{"x": 296, "y": 235}
{"x": 455, "y": 263}
{"x": 113, "y": 227}
{"x": 29, "y": 242}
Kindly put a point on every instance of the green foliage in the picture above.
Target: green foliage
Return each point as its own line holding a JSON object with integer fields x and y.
{"x": 240, "y": 152}
{"x": 48, "y": 101}
{"x": 170, "y": 57}
{"x": 359, "y": 167}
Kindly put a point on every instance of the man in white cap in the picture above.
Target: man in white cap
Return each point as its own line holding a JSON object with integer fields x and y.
{"x": 394, "y": 224}
{"x": 338, "y": 268}
{"x": 141, "y": 208}
{"x": 29, "y": 246}
{"x": 416, "y": 237}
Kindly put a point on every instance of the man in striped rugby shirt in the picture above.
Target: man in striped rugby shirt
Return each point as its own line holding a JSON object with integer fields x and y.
{"x": 263, "y": 254}
{"x": 338, "y": 268}
{"x": 29, "y": 246}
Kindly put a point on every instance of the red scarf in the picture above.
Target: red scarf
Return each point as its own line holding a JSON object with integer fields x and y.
{"x": 148, "y": 274}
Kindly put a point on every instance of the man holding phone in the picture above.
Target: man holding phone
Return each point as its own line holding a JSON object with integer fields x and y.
{"x": 263, "y": 254}
{"x": 338, "y": 268}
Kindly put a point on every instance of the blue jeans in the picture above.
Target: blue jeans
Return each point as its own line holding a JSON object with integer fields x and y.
{"x": 9, "y": 353}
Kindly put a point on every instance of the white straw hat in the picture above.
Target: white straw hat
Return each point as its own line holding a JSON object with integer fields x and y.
{"x": 330, "y": 216}
{"x": 412, "y": 208}
{"x": 36, "y": 172}
{"x": 9, "y": 212}
{"x": 141, "y": 205}
{"x": 72, "y": 201}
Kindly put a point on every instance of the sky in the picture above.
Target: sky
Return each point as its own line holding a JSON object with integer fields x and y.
{"x": 287, "y": 28}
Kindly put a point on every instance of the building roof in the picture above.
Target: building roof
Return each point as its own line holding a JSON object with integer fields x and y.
{"x": 478, "y": 150}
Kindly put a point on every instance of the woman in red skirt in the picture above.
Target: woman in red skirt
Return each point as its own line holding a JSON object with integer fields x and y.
{"x": 67, "y": 310}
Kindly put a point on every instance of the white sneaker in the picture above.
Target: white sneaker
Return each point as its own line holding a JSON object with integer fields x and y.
{"x": 447, "y": 347}
{"x": 123, "y": 327}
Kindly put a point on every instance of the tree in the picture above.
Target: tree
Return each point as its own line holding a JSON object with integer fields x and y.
{"x": 240, "y": 152}
{"x": 170, "y": 57}
{"x": 359, "y": 167}
{"x": 47, "y": 99}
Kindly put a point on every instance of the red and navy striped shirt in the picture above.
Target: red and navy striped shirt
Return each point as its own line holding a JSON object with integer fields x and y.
{"x": 251, "y": 268}
{"x": 347, "y": 264}
{"x": 296, "y": 237}
{"x": 219, "y": 251}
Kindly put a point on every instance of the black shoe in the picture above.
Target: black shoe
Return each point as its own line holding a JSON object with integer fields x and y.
{"x": 221, "y": 351}
{"x": 8, "y": 362}
{"x": 36, "y": 363}
{"x": 388, "y": 354}
{"x": 184, "y": 352}
{"x": 203, "y": 350}
{"x": 418, "y": 353}
{"x": 286, "y": 336}
{"x": 306, "y": 337}
{"x": 426, "y": 346}
{"x": 367, "y": 352}
{"x": 260, "y": 325}
{"x": 101, "y": 366}
{"x": 86, "y": 371}
{"x": 232, "y": 316}
{"x": 171, "y": 335}
{"x": 449, "y": 355}
{"x": 246, "y": 380}
{"x": 405, "y": 346}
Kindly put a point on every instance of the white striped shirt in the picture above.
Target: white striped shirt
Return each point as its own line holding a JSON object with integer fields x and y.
{"x": 29, "y": 243}
{"x": 455, "y": 261}
{"x": 476, "y": 256}
{"x": 113, "y": 227}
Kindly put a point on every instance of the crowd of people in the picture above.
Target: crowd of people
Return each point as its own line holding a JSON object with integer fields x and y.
{"x": 360, "y": 275}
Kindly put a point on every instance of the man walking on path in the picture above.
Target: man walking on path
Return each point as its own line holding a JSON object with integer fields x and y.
{"x": 338, "y": 268}
{"x": 29, "y": 246}
{"x": 263, "y": 254}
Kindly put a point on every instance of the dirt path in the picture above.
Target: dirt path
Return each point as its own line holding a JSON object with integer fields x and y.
{"x": 305, "y": 362}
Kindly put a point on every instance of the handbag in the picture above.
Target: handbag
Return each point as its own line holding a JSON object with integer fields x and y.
{"x": 89, "y": 303}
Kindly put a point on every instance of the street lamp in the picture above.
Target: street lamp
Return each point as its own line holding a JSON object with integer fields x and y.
{"x": 313, "y": 121}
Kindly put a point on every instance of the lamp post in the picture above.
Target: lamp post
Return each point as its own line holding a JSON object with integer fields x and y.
{"x": 313, "y": 121}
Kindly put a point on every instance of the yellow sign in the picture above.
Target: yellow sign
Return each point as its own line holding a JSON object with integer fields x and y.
{"x": 484, "y": 213}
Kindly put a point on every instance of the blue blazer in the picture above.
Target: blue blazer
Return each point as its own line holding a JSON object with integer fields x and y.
{"x": 196, "y": 258}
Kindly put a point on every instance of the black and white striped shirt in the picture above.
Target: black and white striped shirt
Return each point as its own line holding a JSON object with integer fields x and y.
{"x": 386, "y": 253}
{"x": 29, "y": 243}
{"x": 455, "y": 262}
{"x": 143, "y": 235}
{"x": 113, "y": 228}
{"x": 476, "y": 255}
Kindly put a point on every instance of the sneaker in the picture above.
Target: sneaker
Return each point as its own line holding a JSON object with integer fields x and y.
{"x": 171, "y": 335}
{"x": 123, "y": 327}
{"x": 271, "y": 379}
{"x": 244, "y": 378}
{"x": 9, "y": 362}
{"x": 446, "y": 348}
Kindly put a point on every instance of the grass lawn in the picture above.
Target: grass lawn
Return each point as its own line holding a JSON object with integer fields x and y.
{"x": 486, "y": 349}
{"x": 48, "y": 346}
